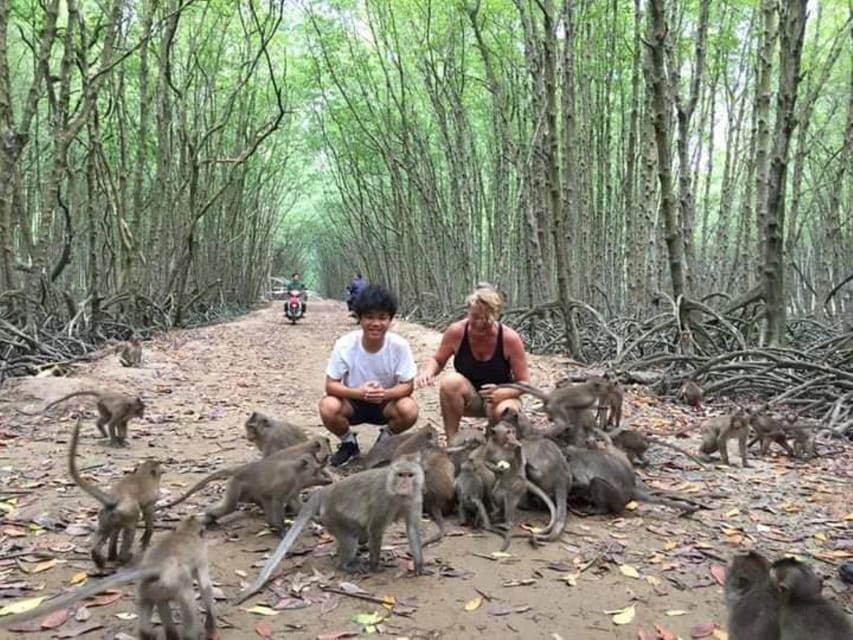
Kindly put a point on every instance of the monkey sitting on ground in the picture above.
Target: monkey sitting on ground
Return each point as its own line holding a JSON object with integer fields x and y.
{"x": 752, "y": 605}
{"x": 609, "y": 402}
{"x": 270, "y": 482}
{"x": 270, "y": 435}
{"x": 462, "y": 444}
{"x": 438, "y": 476}
{"x": 165, "y": 576}
{"x": 360, "y": 506}
{"x": 114, "y": 411}
{"x": 130, "y": 353}
{"x": 471, "y": 497}
{"x": 717, "y": 431}
{"x": 132, "y": 496}
{"x": 804, "y": 614}
{"x": 692, "y": 393}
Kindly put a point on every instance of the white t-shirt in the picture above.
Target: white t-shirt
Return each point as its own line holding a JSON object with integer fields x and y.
{"x": 354, "y": 366}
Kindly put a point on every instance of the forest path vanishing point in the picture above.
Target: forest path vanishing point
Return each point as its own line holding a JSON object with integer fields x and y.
{"x": 201, "y": 384}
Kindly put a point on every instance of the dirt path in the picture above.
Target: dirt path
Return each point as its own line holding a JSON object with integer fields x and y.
{"x": 201, "y": 384}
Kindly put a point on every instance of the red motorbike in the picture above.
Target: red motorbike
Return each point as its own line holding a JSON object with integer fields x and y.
{"x": 293, "y": 305}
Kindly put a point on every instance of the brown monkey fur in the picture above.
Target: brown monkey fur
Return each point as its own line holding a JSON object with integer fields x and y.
{"x": 462, "y": 444}
{"x": 165, "y": 576}
{"x": 635, "y": 443}
{"x": 606, "y": 479}
{"x": 768, "y": 430}
{"x": 753, "y": 610}
{"x": 270, "y": 435}
{"x": 132, "y": 496}
{"x": 804, "y": 613}
{"x": 270, "y": 482}
{"x": 356, "y": 507}
{"x": 563, "y": 404}
{"x": 692, "y": 393}
{"x": 609, "y": 402}
{"x": 381, "y": 452}
{"x": 438, "y": 476}
{"x": 114, "y": 411}
{"x": 130, "y": 353}
{"x": 717, "y": 431}
{"x": 471, "y": 496}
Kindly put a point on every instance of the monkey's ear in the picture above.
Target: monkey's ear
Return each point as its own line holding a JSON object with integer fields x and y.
{"x": 253, "y": 417}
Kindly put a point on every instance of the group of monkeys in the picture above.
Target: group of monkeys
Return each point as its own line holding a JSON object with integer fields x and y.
{"x": 486, "y": 476}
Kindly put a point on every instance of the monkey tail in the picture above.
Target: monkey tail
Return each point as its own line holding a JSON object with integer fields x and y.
{"x": 94, "y": 394}
{"x": 101, "y": 496}
{"x": 77, "y": 595}
{"x": 673, "y": 500}
{"x": 534, "y": 489}
{"x": 669, "y": 445}
{"x": 308, "y": 511}
{"x": 201, "y": 484}
{"x": 526, "y": 388}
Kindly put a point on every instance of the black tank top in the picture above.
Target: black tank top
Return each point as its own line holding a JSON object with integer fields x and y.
{"x": 495, "y": 370}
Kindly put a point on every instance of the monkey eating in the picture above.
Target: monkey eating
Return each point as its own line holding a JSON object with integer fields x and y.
{"x": 114, "y": 410}
{"x": 165, "y": 576}
{"x": 360, "y": 506}
{"x": 750, "y": 599}
{"x": 132, "y": 496}
{"x": 270, "y": 435}
{"x": 804, "y": 613}
{"x": 130, "y": 353}
{"x": 717, "y": 431}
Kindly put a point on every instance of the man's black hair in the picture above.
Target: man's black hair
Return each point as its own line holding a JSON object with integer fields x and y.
{"x": 358, "y": 274}
{"x": 294, "y": 274}
{"x": 375, "y": 298}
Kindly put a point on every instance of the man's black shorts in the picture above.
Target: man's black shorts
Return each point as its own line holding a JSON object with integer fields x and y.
{"x": 367, "y": 412}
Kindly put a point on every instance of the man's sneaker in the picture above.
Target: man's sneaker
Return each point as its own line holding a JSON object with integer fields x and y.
{"x": 346, "y": 451}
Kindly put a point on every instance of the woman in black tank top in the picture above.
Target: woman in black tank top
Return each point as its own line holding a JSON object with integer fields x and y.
{"x": 470, "y": 389}
{"x": 495, "y": 370}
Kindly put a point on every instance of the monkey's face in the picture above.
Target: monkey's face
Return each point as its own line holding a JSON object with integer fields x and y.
{"x": 138, "y": 407}
{"x": 504, "y": 434}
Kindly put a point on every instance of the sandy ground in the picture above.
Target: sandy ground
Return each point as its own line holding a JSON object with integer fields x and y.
{"x": 201, "y": 384}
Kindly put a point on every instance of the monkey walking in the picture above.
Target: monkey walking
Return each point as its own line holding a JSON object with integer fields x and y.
{"x": 165, "y": 575}
{"x": 360, "y": 506}
{"x": 114, "y": 411}
{"x": 132, "y": 496}
{"x": 717, "y": 431}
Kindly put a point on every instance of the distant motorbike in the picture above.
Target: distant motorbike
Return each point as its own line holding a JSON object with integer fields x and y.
{"x": 293, "y": 305}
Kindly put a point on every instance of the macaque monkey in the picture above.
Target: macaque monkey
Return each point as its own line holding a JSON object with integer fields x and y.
{"x": 768, "y": 430}
{"x": 692, "y": 394}
{"x": 270, "y": 482}
{"x": 563, "y": 403}
{"x": 114, "y": 411}
{"x": 438, "y": 476}
{"x": 803, "y": 435}
{"x": 634, "y": 445}
{"x": 750, "y": 599}
{"x": 165, "y": 576}
{"x": 130, "y": 353}
{"x": 462, "y": 444}
{"x": 717, "y": 431}
{"x": 132, "y": 496}
{"x": 360, "y": 506}
{"x": 546, "y": 467}
{"x": 606, "y": 479}
{"x": 381, "y": 452}
{"x": 471, "y": 496}
{"x": 804, "y": 614}
{"x": 502, "y": 465}
{"x": 609, "y": 402}
{"x": 270, "y": 435}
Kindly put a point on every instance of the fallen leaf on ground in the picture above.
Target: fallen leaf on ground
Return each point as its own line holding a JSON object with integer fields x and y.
{"x": 473, "y": 604}
{"x": 629, "y": 571}
{"x": 622, "y": 616}
{"x": 719, "y": 574}
{"x": 55, "y": 619}
{"x": 21, "y": 606}
{"x": 261, "y": 610}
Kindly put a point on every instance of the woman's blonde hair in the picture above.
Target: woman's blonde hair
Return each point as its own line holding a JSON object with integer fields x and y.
{"x": 486, "y": 295}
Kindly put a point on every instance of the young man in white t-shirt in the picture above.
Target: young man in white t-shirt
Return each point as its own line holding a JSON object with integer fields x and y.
{"x": 370, "y": 376}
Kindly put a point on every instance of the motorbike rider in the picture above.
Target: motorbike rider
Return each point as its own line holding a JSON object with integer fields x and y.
{"x": 295, "y": 284}
{"x": 356, "y": 286}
